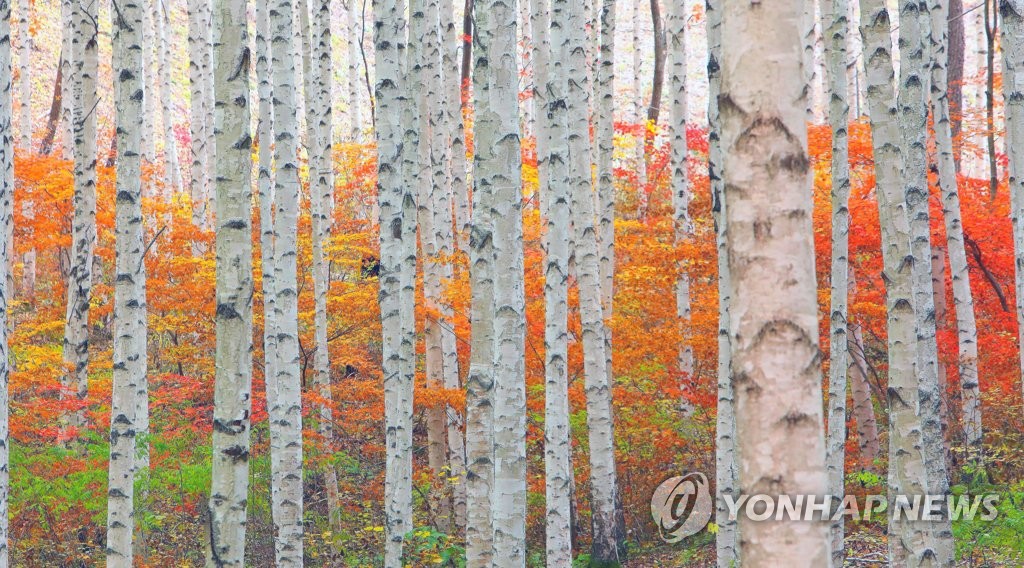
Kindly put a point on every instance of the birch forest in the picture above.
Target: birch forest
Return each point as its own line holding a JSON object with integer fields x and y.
{"x": 493, "y": 284}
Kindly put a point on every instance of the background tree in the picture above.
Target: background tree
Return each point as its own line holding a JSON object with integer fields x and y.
{"x": 6, "y": 220}
{"x": 1013, "y": 93}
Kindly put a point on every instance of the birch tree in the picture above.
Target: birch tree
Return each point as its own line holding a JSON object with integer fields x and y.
{"x": 201, "y": 108}
{"x": 397, "y": 246}
{"x": 598, "y": 387}
{"x": 455, "y": 126}
{"x": 318, "y": 90}
{"x": 497, "y": 166}
{"x": 285, "y": 406}
{"x": 353, "y": 45}
{"x": 833, "y": 17}
{"x": 1012, "y": 12}
{"x": 172, "y": 171}
{"x": 604, "y": 117}
{"x": 908, "y": 541}
{"x": 912, "y": 101}
{"x": 963, "y": 300}
{"x": 774, "y": 329}
{"x": 6, "y": 222}
{"x": 233, "y": 381}
{"x": 683, "y": 225}
{"x": 726, "y": 470}
{"x": 25, "y": 94}
{"x": 129, "y": 389}
{"x": 83, "y": 224}
{"x": 555, "y": 193}
{"x": 637, "y": 110}
{"x": 25, "y": 73}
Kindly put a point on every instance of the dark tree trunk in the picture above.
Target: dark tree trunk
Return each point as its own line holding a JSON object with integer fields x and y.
{"x": 654, "y": 109}
{"x": 467, "y": 47}
{"x": 46, "y": 146}
{"x": 991, "y": 25}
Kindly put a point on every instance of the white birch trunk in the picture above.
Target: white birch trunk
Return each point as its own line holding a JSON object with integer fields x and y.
{"x": 25, "y": 92}
{"x": 149, "y": 47}
{"x": 912, "y": 100}
{"x": 908, "y": 541}
{"x": 496, "y": 107}
{"x": 963, "y": 300}
{"x": 356, "y": 87}
{"x": 6, "y": 223}
{"x": 83, "y": 238}
{"x": 172, "y": 171}
{"x": 455, "y": 125}
{"x": 774, "y": 329}
{"x": 553, "y": 136}
{"x": 397, "y": 244}
{"x": 833, "y": 17}
{"x": 233, "y": 382}
{"x": 597, "y": 384}
{"x": 726, "y": 469}
{"x": 129, "y": 392}
{"x": 1012, "y": 12}
{"x": 285, "y": 408}
{"x": 683, "y": 225}
{"x": 639, "y": 117}
{"x": 863, "y": 409}
{"x": 201, "y": 110}
{"x": 25, "y": 74}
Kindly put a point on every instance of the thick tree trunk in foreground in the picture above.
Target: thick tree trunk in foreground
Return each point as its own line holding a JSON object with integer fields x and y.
{"x": 1012, "y": 12}
{"x": 833, "y": 15}
{"x": 83, "y": 227}
{"x": 774, "y": 330}
{"x": 397, "y": 246}
{"x": 908, "y": 541}
{"x": 130, "y": 286}
{"x": 963, "y": 300}
{"x": 233, "y": 383}
{"x": 6, "y": 222}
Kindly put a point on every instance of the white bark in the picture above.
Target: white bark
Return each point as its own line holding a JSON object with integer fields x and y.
{"x": 555, "y": 195}
{"x": 597, "y": 384}
{"x": 863, "y": 409}
{"x": 726, "y": 470}
{"x": 1012, "y": 12}
{"x": 356, "y": 86}
{"x": 774, "y": 329}
{"x": 496, "y": 96}
{"x": 833, "y": 17}
{"x": 6, "y": 223}
{"x": 83, "y": 238}
{"x": 149, "y": 70}
{"x": 638, "y": 115}
{"x": 455, "y": 125}
{"x": 172, "y": 171}
{"x": 201, "y": 107}
{"x": 908, "y": 541}
{"x": 233, "y": 381}
{"x": 25, "y": 74}
{"x": 682, "y": 223}
{"x": 285, "y": 407}
{"x": 963, "y": 300}
{"x": 321, "y": 122}
{"x": 397, "y": 280}
{"x": 129, "y": 392}
{"x": 912, "y": 101}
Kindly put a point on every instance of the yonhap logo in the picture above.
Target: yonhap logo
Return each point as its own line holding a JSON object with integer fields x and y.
{"x": 682, "y": 506}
